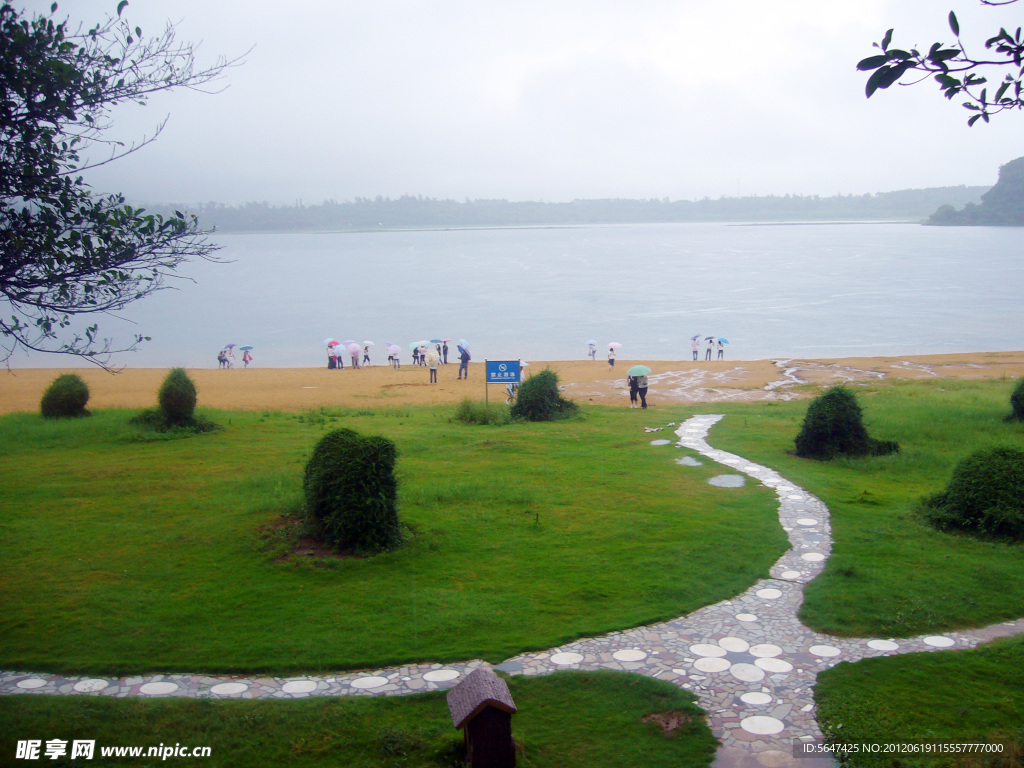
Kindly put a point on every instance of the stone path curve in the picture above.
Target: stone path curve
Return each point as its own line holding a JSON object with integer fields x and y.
{"x": 749, "y": 660}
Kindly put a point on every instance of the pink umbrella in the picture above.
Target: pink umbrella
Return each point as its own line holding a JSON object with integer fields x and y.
{"x": 394, "y": 349}
{"x": 354, "y": 349}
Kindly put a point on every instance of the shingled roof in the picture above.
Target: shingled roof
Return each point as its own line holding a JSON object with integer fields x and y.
{"x": 481, "y": 688}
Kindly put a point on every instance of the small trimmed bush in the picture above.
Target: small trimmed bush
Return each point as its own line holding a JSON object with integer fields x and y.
{"x": 538, "y": 399}
{"x": 470, "y": 411}
{"x": 177, "y": 398}
{"x": 834, "y": 426}
{"x": 1017, "y": 403}
{"x": 352, "y": 493}
{"x": 985, "y": 495}
{"x": 65, "y": 398}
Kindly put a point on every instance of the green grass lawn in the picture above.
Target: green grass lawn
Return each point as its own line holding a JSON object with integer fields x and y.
{"x": 127, "y": 556}
{"x": 974, "y": 696}
{"x": 564, "y": 719}
{"x": 891, "y": 574}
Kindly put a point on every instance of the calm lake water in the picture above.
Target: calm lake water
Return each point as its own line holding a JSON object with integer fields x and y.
{"x": 540, "y": 294}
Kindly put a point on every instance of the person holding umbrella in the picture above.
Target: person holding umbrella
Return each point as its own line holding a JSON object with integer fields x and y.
{"x": 463, "y": 361}
{"x": 721, "y": 349}
{"x": 695, "y": 345}
{"x": 611, "y": 357}
{"x": 433, "y": 358}
{"x": 711, "y": 345}
{"x": 638, "y": 385}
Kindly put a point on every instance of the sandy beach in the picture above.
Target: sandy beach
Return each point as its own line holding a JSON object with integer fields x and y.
{"x": 586, "y": 381}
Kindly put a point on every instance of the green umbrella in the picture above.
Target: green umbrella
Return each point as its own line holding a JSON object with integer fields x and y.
{"x": 639, "y": 370}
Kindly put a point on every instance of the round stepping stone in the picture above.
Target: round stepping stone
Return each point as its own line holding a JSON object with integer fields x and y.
{"x": 91, "y": 686}
{"x": 734, "y": 644}
{"x": 629, "y": 655}
{"x": 229, "y": 689}
{"x": 807, "y": 521}
{"x": 769, "y": 594}
{"x": 440, "y": 675}
{"x": 824, "y": 650}
{"x": 703, "y": 649}
{"x": 31, "y": 684}
{"x": 773, "y": 665}
{"x": 660, "y": 442}
{"x": 158, "y": 689}
{"x": 567, "y": 658}
{"x": 369, "y": 682}
{"x": 299, "y": 686}
{"x": 794, "y": 496}
{"x": 746, "y": 617}
{"x": 938, "y": 641}
{"x": 748, "y": 673}
{"x": 728, "y": 481}
{"x": 711, "y": 664}
{"x": 756, "y": 698}
{"x": 762, "y": 725}
{"x": 883, "y": 645}
{"x": 812, "y": 557}
{"x": 790, "y": 575}
{"x": 765, "y": 650}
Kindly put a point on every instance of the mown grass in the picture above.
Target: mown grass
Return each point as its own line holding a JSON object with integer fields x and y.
{"x": 974, "y": 696}
{"x": 128, "y": 556}
{"x": 564, "y": 719}
{"x": 890, "y": 573}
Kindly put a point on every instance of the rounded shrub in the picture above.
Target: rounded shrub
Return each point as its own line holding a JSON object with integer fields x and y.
{"x": 177, "y": 398}
{"x": 1017, "y": 403}
{"x": 352, "y": 493}
{"x": 65, "y": 398}
{"x": 985, "y": 495}
{"x": 538, "y": 399}
{"x": 834, "y": 426}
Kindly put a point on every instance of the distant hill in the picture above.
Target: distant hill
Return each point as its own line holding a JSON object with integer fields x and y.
{"x": 1003, "y": 205}
{"x": 423, "y": 212}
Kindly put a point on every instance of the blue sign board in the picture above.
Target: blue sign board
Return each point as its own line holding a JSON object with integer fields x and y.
{"x": 502, "y": 371}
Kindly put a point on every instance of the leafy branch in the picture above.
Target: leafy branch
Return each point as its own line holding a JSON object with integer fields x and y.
{"x": 958, "y": 72}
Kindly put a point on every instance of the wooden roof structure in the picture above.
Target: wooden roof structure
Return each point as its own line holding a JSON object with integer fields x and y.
{"x": 480, "y": 689}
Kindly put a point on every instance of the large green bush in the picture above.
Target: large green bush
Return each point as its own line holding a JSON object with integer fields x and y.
{"x": 985, "y": 495}
{"x": 538, "y": 399}
{"x": 1017, "y": 403}
{"x": 177, "y": 398}
{"x": 352, "y": 493}
{"x": 65, "y": 398}
{"x": 834, "y": 426}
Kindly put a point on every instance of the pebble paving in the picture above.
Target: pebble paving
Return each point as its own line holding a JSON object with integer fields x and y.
{"x": 749, "y": 661}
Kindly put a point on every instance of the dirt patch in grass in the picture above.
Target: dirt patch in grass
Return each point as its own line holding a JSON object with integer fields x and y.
{"x": 669, "y": 721}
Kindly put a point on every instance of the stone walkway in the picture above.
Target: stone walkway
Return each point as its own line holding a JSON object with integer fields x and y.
{"x": 749, "y": 660}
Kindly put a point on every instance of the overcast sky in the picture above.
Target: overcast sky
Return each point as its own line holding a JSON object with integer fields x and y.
{"x": 551, "y": 100}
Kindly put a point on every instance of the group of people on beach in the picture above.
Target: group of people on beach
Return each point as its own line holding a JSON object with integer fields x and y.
{"x": 226, "y": 357}
{"x": 336, "y": 360}
{"x": 421, "y": 356}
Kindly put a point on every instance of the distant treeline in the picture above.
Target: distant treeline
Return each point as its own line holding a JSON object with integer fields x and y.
{"x": 411, "y": 212}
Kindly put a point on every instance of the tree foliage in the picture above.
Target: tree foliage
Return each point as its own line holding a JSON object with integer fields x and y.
{"x": 65, "y": 251}
{"x": 959, "y": 72}
{"x": 985, "y": 495}
{"x": 352, "y": 493}
{"x": 538, "y": 399}
{"x": 834, "y": 427}
{"x": 65, "y": 398}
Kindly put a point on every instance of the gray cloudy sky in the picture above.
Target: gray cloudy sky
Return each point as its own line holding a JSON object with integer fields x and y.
{"x": 551, "y": 100}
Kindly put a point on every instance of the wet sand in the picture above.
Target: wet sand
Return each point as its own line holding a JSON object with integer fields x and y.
{"x": 671, "y": 382}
